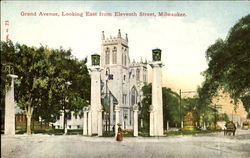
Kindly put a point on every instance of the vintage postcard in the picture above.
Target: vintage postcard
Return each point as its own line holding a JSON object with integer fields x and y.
{"x": 147, "y": 79}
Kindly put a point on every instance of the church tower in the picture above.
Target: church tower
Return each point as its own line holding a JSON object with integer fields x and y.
{"x": 115, "y": 51}
{"x": 115, "y": 61}
{"x": 121, "y": 80}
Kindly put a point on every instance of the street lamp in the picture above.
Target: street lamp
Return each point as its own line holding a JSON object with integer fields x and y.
{"x": 107, "y": 94}
{"x": 156, "y": 53}
{"x": 64, "y": 108}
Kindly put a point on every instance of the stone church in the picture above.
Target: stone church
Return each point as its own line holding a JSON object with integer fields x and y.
{"x": 122, "y": 79}
{"x": 121, "y": 83}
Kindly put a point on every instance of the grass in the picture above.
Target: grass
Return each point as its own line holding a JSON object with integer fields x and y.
{"x": 52, "y": 131}
{"x": 111, "y": 134}
{"x": 128, "y": 135}
{"x": 194, "y": 132}
{"x": 177, "y": 133}
{"x": 143, "y": 134}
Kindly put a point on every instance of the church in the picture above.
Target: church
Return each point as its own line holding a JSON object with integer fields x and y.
{"x": 122, "y": 79}
{"x": 121, "y": 83}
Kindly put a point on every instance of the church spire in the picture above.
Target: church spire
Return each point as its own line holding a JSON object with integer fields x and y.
{"x": 103, "y": 36}
{"x": 126, "y": 37}
{"x": 119, "y": 33}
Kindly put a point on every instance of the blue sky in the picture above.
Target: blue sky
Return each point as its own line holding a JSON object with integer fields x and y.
{"x": 183, "y": 40}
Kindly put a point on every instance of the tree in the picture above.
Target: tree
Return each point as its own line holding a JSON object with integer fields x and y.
{"x": 145, "y": 105}
{"x": 246, "y": 102}
{"x": 171, "y": 110}
{"x": 43, "y": 74}
{"x": 7, "y": 60}
{"x": 229, "y": 62}
{"x": 170, "y": 102}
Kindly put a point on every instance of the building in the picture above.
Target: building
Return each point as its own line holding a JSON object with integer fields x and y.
{"x": 224, "y": 104}
{"x": 121, "y": 83}
{"x": 122, "y": 80}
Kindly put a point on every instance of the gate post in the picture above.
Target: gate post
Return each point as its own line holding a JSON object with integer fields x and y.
{"x": 135, "y": 109}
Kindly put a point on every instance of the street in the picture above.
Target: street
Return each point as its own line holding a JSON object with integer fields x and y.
{"x": 46, "y": 146}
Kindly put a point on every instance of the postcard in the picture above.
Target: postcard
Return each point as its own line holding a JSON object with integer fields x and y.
{"x": 125, "y": 79}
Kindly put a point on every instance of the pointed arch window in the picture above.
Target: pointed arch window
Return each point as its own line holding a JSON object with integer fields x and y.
{"x": 133, "y": 96}
{"x": 122, "y": 59}
{"x": 107, "y": 52}
{"x": 137, "y": 74}
{"x": 125, "y": 60}
{"x": 114, "y": 55}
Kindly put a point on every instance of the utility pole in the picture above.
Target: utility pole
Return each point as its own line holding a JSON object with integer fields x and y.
{"x": 180, "y": 108}
{"x": 65, "y": 109}
{"x": 108, "y": 95}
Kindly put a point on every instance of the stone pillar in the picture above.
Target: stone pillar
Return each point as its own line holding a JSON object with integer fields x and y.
{"x": 117, "y": 114}
{"x": 95, "y": 107}
{"x": 85, "y": 123}
{"x": 181, "y": 124}
{"x": 141, "y": 123}
{"x": 89, "y": 123}
{"x": 204, "y": 126}
{"x": 135, "y": 109}
{"x": 9, "y": 125}
{"x": 156, "y": 109}
{"x": 151, "y": 121}
{"x": 100, "y": 122}
{"x": 167, "y": 125}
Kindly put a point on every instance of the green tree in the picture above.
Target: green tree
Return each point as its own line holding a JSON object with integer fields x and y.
{"x": 229, "y": 62}
{"x": 145, "y": 105}
{"x": 170, "y": 102}
{"x": 43, "y": 74}
{"x": 7, "y": 60}
{"x": 171, "y": 109}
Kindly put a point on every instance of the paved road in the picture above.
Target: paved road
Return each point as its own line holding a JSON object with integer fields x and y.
{"x": 205, "y": 146}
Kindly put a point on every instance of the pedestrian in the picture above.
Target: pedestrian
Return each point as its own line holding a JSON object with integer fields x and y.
{"x": 119, "y": 136}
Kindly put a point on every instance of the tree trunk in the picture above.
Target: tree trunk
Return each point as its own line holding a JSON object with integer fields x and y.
{"x": 29, "y": 112}
{"x": 28, "y": 124}
{"x": 65, "y": 123}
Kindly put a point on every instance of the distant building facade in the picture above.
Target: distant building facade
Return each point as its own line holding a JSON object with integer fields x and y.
{"x": 224, "y": 104}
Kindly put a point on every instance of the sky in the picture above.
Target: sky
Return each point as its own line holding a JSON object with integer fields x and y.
{"x": 183, "y": 40}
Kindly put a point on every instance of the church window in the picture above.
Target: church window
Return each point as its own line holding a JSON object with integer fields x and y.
{"x": 122, "y": 59}
{"x": 124, "y": 98}
{"x": 145, "y": 76}
{"x": 107, "y": 56}
{"x": 114, "y": 56}
{"x": 133, "y": 96}
{"x": 125, "y": 60}
{"x": 137, "y": 74}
